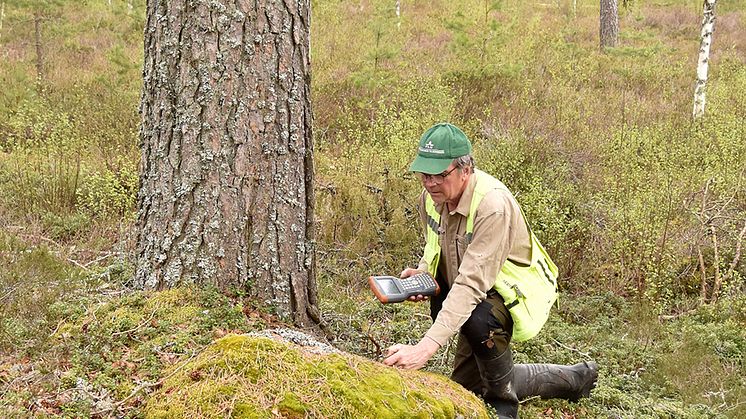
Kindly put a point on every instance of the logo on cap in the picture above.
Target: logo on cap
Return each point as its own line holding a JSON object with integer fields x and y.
{"x": 430, "y": 148}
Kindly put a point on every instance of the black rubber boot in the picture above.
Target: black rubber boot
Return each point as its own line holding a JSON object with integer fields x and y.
{"x": 497, "y": 376}
{"x": 551, "y": 381}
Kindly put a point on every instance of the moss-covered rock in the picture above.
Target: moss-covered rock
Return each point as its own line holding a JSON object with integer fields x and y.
{"x": 258, "y": 377}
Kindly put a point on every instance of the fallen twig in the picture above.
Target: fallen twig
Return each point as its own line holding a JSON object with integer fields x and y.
{"x": 379, "y": 352}
{"x": 138, "y": 326}
{"x": 677, "y": 315}
{"x": 76, "y": 263}
{"x": 526, "y": 400}
{"x": 60, "y": 323}
{"x": 25, "y": 378}
{"x": 146, "y": 384}
{"x": 585, "y": 354}
{"x": 105, "y": 256}
{"x": 9, "y": 293}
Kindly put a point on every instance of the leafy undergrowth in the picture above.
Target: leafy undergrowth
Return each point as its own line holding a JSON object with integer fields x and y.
{"x": 689, "y": 365}
{"x": 257, "y": 377}
{"x": 685, "y": 366}
{"x": 76, "y": 343}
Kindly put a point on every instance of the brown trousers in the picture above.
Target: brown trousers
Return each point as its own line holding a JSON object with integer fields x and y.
{"x": 486, "y": 334}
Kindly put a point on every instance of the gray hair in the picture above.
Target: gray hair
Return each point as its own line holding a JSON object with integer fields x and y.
{"x": 465, "y": 161}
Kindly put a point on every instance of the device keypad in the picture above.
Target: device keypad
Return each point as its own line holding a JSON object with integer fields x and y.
{"x": 421, "y": 281}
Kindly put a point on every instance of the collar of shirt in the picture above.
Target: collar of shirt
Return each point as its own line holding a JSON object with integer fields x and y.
{"x": 464, "y": 203}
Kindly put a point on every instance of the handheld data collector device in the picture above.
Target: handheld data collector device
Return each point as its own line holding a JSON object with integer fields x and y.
{"x": 390, "y": 289}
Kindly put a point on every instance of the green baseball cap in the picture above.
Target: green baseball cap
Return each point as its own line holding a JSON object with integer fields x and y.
{"x": 439, "y": 145}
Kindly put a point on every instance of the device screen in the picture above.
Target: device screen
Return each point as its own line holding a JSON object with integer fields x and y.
{"x": 389, "y": 286}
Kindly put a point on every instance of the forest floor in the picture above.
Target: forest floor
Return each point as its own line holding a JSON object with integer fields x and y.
{"x": 78, "y": 342}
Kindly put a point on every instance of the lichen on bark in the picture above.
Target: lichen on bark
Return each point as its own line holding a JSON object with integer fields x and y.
{"x": 227, "y": 163}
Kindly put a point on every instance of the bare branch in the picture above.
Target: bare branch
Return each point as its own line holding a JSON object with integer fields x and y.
{"x": 737, "y": 256}
{"x": 716, "y": 264}
{"x": 138, "y": 326}
{"x": 9, "y": 293}
{"x": 703, "y": 272}
{"x": 585, "y": 354}
{"x": 147, "y": 384}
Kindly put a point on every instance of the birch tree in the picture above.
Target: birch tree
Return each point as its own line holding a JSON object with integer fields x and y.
{"x": 226, "y": 194}
{"x": 609, "y": 23}
{"x": 708, "y": 27}
{"x": 398, "y": 14}
{"x": 2, "y": 17}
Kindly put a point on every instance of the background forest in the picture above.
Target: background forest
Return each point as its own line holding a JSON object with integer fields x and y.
{"x": 643, "y": 210}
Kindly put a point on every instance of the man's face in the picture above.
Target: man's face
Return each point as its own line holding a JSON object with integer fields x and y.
{"x": 447, "y": 186}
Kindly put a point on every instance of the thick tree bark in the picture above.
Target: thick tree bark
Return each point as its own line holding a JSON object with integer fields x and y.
{"x": 609, "y": 23}
{"x": 227, "y": 166}
{"x": 708, "y": 27}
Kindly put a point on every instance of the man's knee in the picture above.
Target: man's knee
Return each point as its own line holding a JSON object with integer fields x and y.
{"x": 486, "y": 334}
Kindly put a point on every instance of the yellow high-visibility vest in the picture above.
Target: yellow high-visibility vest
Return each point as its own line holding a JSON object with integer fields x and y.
{"x": 529, "y": 291}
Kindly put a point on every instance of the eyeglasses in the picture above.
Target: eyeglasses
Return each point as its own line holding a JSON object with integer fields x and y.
{"x": 436, "y": 179}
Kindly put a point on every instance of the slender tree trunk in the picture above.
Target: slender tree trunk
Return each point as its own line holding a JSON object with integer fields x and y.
{"x": 39, "y": 50}
{"x": 708, "y": 27}
{"x": 226, "y": 195}
{"x": 398, "y": 14}
{"x": 702, "y": 218}
{"x": 703, "y": 273}
{"x": 718, "y": 281}
{"x": 737, "y": 255}
{"x": 2, "y": 17}
{"x": 609, "y": 23}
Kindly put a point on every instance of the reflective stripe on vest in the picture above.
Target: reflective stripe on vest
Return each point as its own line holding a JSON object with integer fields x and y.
{"x": 432, "y": 244}
{"x": 528, "y": 291}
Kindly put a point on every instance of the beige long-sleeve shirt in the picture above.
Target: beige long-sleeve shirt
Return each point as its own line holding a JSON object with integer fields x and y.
{"x": 500, "y": 233}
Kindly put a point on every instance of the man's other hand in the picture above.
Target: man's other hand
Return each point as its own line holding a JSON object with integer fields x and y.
{"x": 410, "y": 357}
{"x": 406, "y": 273}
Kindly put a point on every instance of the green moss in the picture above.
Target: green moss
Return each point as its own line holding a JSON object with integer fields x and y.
{"x": 292, "y": 407}
{"x": 258, "y": 377}
{"x": 123, "y": 318}
{"x": 182, "y": 314}
{"x": 170, "y": 298}
{"x": 246, "y": 411}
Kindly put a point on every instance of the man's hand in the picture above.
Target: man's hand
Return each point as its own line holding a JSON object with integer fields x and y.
{"x": 410, "y": 357}
{"x": 406, "y": 273}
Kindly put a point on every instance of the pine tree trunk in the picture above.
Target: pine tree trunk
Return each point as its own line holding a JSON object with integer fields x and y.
{"x": 226, "y": 171}
{"x": 609, "y": 23}
{"x": 708, "y": 27}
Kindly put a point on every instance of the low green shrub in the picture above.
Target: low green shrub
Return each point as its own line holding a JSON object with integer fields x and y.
{"x": 35, "y": 287}
{"x": 43, "y": 160}
{"x": 365, "y": 196}
{"x": 109, "y": 194}
{"x": 65, "y": 227}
